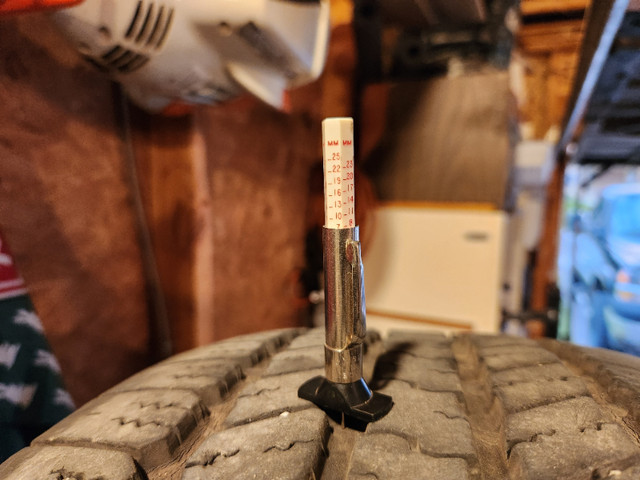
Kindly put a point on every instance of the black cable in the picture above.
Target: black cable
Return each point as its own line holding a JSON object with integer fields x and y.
{"x": 160, "y": 343}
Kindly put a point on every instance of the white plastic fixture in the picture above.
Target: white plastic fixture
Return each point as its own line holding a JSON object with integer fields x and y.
{"x": 201, "y": 51}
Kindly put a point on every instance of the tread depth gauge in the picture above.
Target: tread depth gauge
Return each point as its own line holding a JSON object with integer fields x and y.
{"x": 343, "y": 389}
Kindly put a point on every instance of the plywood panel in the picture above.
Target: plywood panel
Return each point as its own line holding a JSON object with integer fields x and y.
{"x": 562, "y": 69}
{"x": 447, "y": 139}
{"x": 258, "y": 161}
{"x": 167, "y": 158}
{"x": 541, "y": 7}
{"x": 535, "y": 110}
{"x": 65, "y": 207}
{"x": 551, "y": 37}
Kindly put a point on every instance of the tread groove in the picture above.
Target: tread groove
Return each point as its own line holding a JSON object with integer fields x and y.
{"x": 342, "y": 440}
{"x": 485, "y": 417}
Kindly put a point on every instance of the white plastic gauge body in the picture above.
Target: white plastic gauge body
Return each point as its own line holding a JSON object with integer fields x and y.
{"x": 339, "y": 186}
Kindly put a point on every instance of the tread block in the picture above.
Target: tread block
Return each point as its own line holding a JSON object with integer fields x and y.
{"x": 245, "y": 350}
{"x": 623, "y": 387}
{"x": 548, "y": 371}
{"x": 52, "y": 463}
{"x": 297, "y": 360}
{"x": 433, "y": 339}
{"x": 621, "y": 376}
{"x": 610, "y": 358}
{"x": 211, "y": 380}
{"x": 273, "y": 339}
{"x": 418, "y": 340}
{"x": 434, "y": 422}
{"x": 505, "y": 357}
{"x": 616, "y": 372}
{"x": 489, "y": 340}
{"x": 419, "y": 344}
{"x": 290, "y": 446}
{"x": 568, "y": 416}
{"x": 436, "y": 375}
{"x": 150, "y": 425}
{"x": 419, "y": 349}
{"x": 594, "y": 453}
{"x": 270, "y": 396}
{"x": 525, "y": 395}
{"x": 313, "y": 338}
{"x": 390, "y": 457}
{"x": 245, "y": 354}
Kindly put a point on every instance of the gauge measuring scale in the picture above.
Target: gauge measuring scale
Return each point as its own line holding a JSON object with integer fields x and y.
{"x": 339, "y": 173}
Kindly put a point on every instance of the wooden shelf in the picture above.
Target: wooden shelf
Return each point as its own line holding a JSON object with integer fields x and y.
{"x": 545, "y": 7}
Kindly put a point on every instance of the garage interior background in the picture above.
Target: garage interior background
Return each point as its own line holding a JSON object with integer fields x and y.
{"x": 230, "y": 192}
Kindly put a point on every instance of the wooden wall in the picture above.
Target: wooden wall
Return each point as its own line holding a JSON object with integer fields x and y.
{"x": 225, "y": 192}
{"x": 65, "y": 206}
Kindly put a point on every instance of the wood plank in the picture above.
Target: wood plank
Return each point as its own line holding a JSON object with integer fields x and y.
{"x": 167, "y": 177}
{"x": 65, "y": 207}
{"x": 535, "y": 110}
{"x": 341, "y": 12}
{"x": 258, "y": 163}
{"x": 542, "y": 7}
{"x": 550, "y": 37}
{"x": 561, "y": 74}
{"x": 543, "y": 274}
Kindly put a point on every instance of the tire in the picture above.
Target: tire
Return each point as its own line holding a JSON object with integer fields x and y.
{"x": 465, "y": 407}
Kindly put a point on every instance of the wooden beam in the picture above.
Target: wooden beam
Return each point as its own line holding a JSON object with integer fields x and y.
{"x": 550, "y": 37}
{"x": 561, "y": 73}
{"x": 169, "y": 188}
{"x": 548, "y": 250}
{"x": 341, "y": 12}
{"x": 543, "y": 7}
